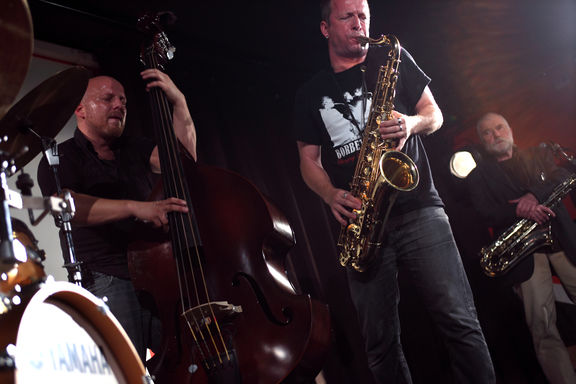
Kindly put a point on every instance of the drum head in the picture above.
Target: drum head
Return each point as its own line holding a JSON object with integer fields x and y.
{"x": 67, "y": 335}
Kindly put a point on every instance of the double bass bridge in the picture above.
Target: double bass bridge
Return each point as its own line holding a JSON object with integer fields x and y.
{"x": 214, "y": 347}
{"x": 207, "y": 314}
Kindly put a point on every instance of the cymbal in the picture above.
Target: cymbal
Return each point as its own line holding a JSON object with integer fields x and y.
{"x": 16, "y": 49}
{"x": 45, "y": 110}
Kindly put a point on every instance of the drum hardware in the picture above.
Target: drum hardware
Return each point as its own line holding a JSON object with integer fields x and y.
{"x": 29, "y": 128}
{"x": 50, "y": 114}
{"x": 24, "y": 272}
{"x": 61, "y": 208}
{"x": 7, "y": 257}
{"x": 7, "y": 361}
{"x": 52, "y": 204}
{"x": 64, "y": 217}
{"x": 42, "y": 113}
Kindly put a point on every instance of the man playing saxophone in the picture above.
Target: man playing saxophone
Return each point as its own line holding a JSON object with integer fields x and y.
{"x": 330, "y": 115}
{"x": 509, "y": 184}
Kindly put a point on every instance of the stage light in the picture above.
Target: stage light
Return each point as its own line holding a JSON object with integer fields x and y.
{"x": 461, "y": 164}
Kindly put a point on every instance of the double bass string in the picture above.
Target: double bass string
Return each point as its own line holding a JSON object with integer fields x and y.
{"x": 170, "y": 187}
{"x": 180, "y": 191}
{"x": 162, "y": 113}
{"x": 175, "y": 186}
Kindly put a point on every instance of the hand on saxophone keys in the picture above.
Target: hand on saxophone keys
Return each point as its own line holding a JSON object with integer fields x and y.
{"x": 528, "y": 207}
{"x": 396, "y": 129}
{"x": 343, "y": 204}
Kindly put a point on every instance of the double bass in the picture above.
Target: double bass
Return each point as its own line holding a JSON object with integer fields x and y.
{"x": 229, "y": 313}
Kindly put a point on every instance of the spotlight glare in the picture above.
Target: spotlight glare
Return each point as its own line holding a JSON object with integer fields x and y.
{"x": 461, "y": 164}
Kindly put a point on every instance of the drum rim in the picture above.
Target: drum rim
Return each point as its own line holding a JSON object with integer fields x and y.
{"x": 94, "y": 316}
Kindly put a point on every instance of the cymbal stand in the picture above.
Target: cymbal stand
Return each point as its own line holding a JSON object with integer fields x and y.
{"x": 7, "y": 257}
{"x": 25, "y": 183}
{"x": 63, "y": 219}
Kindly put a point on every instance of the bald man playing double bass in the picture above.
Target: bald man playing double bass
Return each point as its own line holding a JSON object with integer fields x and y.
{"x": 110, "y": 177}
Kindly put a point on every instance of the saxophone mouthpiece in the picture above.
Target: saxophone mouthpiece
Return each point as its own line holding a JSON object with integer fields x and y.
{"x": 363, "y": 40}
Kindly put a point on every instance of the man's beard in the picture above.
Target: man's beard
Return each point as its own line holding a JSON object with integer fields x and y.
{"x": 500, "y": 148}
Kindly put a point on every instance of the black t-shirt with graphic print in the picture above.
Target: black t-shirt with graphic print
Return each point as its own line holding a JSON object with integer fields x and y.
{"x": 328, "y": 112}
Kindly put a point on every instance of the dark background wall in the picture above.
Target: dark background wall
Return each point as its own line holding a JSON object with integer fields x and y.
{"x": 239, "y": 64}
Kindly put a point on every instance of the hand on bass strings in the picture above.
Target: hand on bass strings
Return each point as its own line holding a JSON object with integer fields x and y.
{"x": 156, "y": 212}
{"x": 528, "y": 207}
{"x": 92, "y": 210}
{"x": 182, "y": 121}
{"x": 157, "y": 78}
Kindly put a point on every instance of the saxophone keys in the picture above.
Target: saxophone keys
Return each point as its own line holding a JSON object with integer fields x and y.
{"x": 353, "y": 229}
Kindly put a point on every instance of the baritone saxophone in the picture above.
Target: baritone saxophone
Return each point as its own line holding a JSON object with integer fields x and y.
{"x": 381, "y": 172}
{"x": 522, "y": 238}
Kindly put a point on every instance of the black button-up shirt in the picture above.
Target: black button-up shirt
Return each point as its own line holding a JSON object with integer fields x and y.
{"x": 102, "y": 248}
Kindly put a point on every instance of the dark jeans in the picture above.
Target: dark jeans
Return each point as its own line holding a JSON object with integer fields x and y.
{"x": 142, "y": 328}
{"x": 421, "y": 243}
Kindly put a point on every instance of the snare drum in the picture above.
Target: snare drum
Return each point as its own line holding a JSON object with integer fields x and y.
{"x": 64, "y": 334}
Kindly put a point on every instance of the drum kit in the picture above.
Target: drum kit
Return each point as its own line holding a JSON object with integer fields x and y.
{"x": 55, "y": 332}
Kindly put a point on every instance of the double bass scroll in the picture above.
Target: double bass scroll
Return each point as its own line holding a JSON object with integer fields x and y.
{"x": 225, "y": 318}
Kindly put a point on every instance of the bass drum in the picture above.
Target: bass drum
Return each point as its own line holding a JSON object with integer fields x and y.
{"x": 61, "y": 333}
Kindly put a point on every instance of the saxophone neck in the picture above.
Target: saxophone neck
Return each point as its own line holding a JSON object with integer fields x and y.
{"x": 389, "y": 40}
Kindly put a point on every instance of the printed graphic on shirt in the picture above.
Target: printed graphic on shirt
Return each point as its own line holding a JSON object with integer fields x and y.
{"x": 344, "y": 122}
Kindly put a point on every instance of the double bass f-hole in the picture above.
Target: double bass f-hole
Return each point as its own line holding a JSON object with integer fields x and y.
{"x": 287, "y": 314}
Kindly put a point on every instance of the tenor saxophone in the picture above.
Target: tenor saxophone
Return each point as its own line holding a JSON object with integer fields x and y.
{"x": 522, "y": 238}
{"x": 381, "y": 172}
